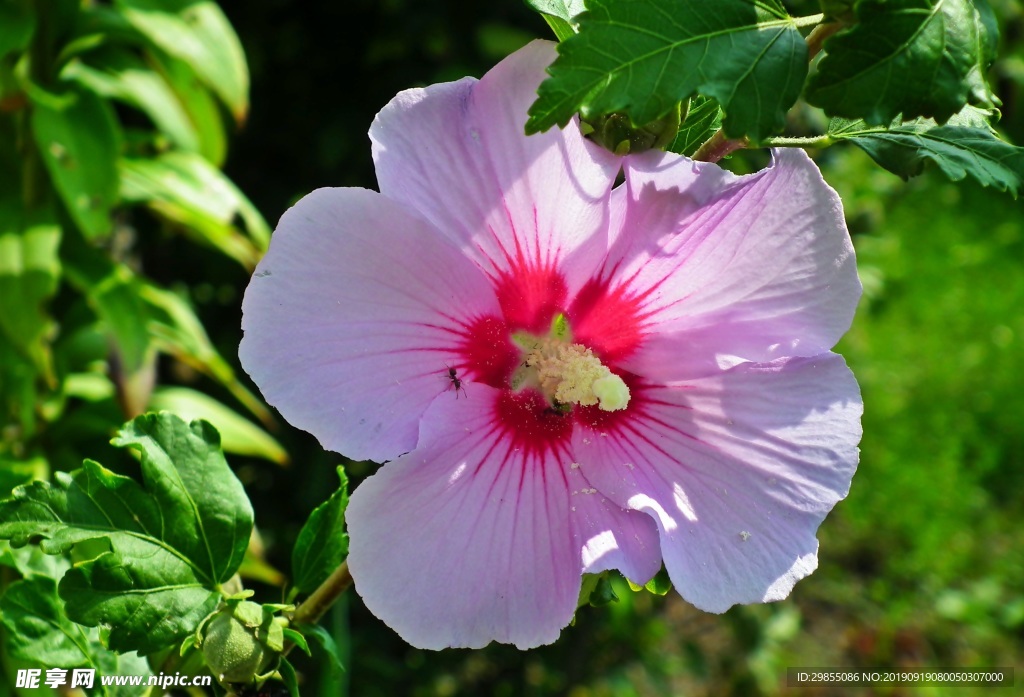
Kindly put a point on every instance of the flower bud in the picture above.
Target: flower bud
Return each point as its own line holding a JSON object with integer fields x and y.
{"x": 233, "y": 647}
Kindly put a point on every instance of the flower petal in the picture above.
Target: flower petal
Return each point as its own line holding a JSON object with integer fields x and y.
{"x": 466, "y": 540}
{"x": 755, "y": 267}
{"x": 457, "y": 154}
{"x": 738, "y": 470}
{"x": 611, "y": 536}
{"x": 353, "y": 317}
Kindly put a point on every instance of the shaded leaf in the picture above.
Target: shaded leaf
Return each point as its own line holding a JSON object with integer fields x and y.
{"x": 80, "y": 142}
{"x": 645, "y": 56}
{"x": 702, "y": 121}
{"x": 198, "y": 33}
{"x": 322, "y": 543}
{"x": 323, "y": 639}
{"x": 17, "y": 23}
{"x": 910, "y": 57}
{"x": 288, "y": 676}
{"x": 961, "y": 148}
{"x": 172, "y": 540}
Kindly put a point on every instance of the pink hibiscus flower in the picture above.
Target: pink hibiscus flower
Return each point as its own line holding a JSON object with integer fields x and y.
{"x": 566, "y": 376}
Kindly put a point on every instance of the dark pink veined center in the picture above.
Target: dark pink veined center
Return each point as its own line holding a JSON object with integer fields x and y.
{"x": 604, "y": 318}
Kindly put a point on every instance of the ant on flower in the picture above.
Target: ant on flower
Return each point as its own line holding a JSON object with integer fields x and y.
{"x": 456, "y": 381}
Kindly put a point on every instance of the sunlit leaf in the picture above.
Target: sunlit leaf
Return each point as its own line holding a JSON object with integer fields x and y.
{"x": 197, "y": 32}
{"x": 29, "y": 273}
{"x": 173, "y": 539}
{"x": 80, "y": 142}
{"x": 559, "y": 14}
{"x": 186, "y": 189}
{"x": 645, "y": 56}
{"x": 238, "y": 435}
{"x": 911, "y": 57}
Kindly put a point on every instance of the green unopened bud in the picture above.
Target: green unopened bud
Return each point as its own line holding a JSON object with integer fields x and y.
{"x": 235, "y": 646}
{"x": 616, "y": 132}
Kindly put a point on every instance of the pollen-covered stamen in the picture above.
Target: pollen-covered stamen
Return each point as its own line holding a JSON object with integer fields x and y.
{"x": 571, "y": 374}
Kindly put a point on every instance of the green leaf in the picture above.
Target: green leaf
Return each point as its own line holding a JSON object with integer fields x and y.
{"x": 910, "y": 57}
{"x": 117, "y": 73}
{"x": 838, "y": 9}
{"x": 17, "y": 23}
{"x": 198, "y": 33}
{"x": 37, "y": 628}
{"x": 559, "y": 14}
{"x": 238, "y": 435}
{"x": 298, "y": 639}
{"x": 323, "y": 639}
{"x": 289, "y": 677}
{"x": 80, "y": 142}
{"x": 179, "y": 333}
{"x": 173, "y": 540}
{"x": 29, "y": 273}
{"x": 322, "y": 543}
{"x": 39, "y": 632}
{"x": 644, "y": 56}
{"x": 961, "y": 148}
{"x": 31, "y": 561}
{"x": 702, "y": 121}
{"x": 186, "y": 189}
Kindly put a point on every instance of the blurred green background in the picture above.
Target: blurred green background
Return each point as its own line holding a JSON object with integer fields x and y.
{"x": 921, "y": 566}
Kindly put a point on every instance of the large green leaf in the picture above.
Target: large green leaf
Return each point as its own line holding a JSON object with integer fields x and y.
{"x": 644, "y": 56}
{"x": 80, "y": 142}
{"x": 961, "y": 148}
{"x": 197, "y": 32}
{"x": 910, "y": 57}
{"x": 173, "y": 539}
{"x": 186, "y": 189}
{"x": 322, "y": 543}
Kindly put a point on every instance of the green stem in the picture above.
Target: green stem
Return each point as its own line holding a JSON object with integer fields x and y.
{"x": 718, "y": 146}
{"x": 321, "y": 599}
{"x": 808, "y": 21}
{"x": 822, "y": 141}
{"x": 816, "y": 39}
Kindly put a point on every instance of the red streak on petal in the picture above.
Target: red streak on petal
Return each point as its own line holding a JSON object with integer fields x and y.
{"x": 606, "y": 320}
{"x": 531, "y": 425}
{"x": 530, "y": 296}
{"x": 488, "y": 354}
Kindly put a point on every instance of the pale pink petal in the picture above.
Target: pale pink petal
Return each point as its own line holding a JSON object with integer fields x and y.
{"x": 466, "y": 540}
{"x": 726, "y": 268}
{"x": 353, "y": 318}
{"x": 611, "y": 536}
{"x": 738, "y": 470}
{"x": 457, "y": 153}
